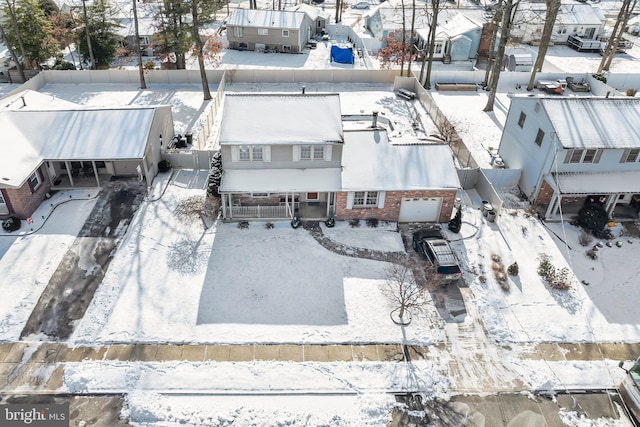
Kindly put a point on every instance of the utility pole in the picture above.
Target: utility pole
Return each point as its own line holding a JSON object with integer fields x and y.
{"x": 86, "y": 29}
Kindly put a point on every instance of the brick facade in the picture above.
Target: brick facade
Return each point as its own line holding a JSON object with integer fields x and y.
{"x": 391, "y": 209}
{"x": 22, "y": 202}
{"x": 545, "y": 194}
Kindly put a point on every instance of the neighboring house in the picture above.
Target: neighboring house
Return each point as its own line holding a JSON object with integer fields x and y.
{"x": 146, "y": 30}
{"x": 320, "y": 18}
{"x": 306, "y": 164}
{"x": 457, "y": 38}
{"x": 50, "y": 144}
{"x": 269, "y": 30}
{"x": 574, "y": 150}
{"x": 574, "y": 19}
{"x": 386, "y": 19}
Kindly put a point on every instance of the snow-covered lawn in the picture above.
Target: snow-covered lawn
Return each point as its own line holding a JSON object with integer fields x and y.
{"x": 174, "y": 281}
{"x": 533, "y": 311}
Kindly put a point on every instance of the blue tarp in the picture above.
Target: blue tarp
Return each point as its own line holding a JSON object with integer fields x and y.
{"x": 341, "y": 55}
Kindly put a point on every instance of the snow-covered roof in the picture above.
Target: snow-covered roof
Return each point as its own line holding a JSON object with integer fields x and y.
{"x": 599, "y": 182}
{"x": 146, "y": 27}
{"x": 265, "y": 18}
{"x": 32, "y": 100}
{"x": 585, "y": 122}
{"x": 452, "y": 26}
{"x": 370, "y": 162}
{"x": 281, "y": 180}
{"x": 281, "y": 119}
{"x": 568, "y": 14}
{"x": 391, "y": 16}
{"x": 312, "y": 11}
{"x": 31, "y": 136}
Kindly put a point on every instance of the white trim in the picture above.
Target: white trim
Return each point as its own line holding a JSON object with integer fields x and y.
{"x": 350, "y": 196}
{"x": 328, "y": 151}
{"x": 380, "y": 199}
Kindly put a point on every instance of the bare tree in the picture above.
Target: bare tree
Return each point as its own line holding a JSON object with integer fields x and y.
{"x": 435, "y": 10}
{"x": 553, "y": 6}
{"x": 411, "y": 35}
{"x": 402, "y": 289}
{"x": 199, "y": 47}
{"x": 616, "y": 34}
{"x": 143, "y": 84}
{"x": 495, "y": 27}
{"x": 509, "y": 8}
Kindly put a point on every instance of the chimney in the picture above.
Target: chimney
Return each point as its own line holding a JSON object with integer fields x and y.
{"x": 608, "y": 93}
{"x": 303, "y": 89}
{"x": 374, "y": 119}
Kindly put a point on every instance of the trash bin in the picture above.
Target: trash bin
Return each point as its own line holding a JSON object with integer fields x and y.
{"x": 491, "y": 216}
{"x": 486, "y": 207}
{"x": 189, "y": 137}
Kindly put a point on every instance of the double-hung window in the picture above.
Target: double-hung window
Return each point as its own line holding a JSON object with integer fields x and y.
{"x": 312, "y": 152}
{"x": 582, "y": 155}
{"x": 631, "y": 155}
{"x": 34, "y": 181}
{"x": 250, "y": 153}
{"x": 365, "y": 199}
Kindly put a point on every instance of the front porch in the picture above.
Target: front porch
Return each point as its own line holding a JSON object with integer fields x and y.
{"x": 620, "y": 208}
{"x": 307, "y": 206}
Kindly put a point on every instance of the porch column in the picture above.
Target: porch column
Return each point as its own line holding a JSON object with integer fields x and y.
{"x": 611, "y": 204}
{"x": 556, "y": 201}
{"x": 328, "y": 203}
{"x": 223, "y": 200}
{"x": 68, "y": 166}
{"x": 95, "y": 172}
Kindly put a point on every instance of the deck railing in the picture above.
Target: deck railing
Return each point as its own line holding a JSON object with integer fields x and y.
{"x": 259, "y": 212}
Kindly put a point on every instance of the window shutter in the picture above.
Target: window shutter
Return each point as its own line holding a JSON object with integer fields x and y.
{"x": 350, "y": 196}
{"x": 380, "y": 199}
{"x": 266, "y": 154}
{"x": 296, "y": 153}
{"x": 625, "y": 154}
{"x": 597, "y": 158}
{"x": 327, "y": 152}
{"x": 567, "y": 158}
{"x": 234, "y": 153}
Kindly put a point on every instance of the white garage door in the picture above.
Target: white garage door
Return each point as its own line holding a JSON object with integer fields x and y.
{"x": 425, "y": 209}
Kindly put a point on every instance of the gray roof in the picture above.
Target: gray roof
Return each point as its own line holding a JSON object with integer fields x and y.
{"x": 266, "y": 18}
{"x": 595, "y": 122}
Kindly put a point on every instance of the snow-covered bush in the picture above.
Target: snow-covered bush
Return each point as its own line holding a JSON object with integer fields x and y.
{"x": 11, "y": 224}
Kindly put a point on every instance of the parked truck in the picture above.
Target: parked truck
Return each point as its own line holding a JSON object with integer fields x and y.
{"x": 630, "y": 388}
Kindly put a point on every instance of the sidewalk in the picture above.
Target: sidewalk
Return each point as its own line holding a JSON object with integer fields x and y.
{"x": 40, "y": 369}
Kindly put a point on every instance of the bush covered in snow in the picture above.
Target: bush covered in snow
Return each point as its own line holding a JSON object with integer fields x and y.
{"x": 11, "y": 224}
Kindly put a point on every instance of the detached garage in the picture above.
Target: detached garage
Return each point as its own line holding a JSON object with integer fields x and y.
{"x": 393, "y": 182}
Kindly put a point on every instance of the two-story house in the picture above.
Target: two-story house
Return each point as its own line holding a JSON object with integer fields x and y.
{"x": 574, "y": 150}
{"x": 288, "y": 153}
{"x": 269, "y": 30}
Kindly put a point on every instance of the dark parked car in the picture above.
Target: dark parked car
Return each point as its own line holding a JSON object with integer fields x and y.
{"x": 431, "y": 244}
